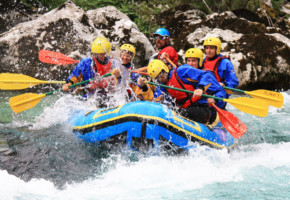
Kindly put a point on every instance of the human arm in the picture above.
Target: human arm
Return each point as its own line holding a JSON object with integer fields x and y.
{"x": 144, "y": 92}
{"x": 75, "y": 76}
{"x": 172, "y": 54}
{"x": 226, "y": 71}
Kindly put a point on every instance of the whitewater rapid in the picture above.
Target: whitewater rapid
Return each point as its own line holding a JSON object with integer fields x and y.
{"x": 258, "y": 169}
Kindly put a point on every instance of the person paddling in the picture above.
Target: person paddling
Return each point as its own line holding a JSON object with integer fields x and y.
{"x": 194, "y": 57}
{"x": 186, "y": 77}
{"x": 221, "y": 66}
{"x": 98, "y": 64}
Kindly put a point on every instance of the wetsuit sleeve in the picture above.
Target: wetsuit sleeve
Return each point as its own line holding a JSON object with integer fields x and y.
{"x": 76, "y": 75}
{"x": 202, "y": 79}
{"x": 196, "y": 77}
{"x": 226, "y": 71}
{"x": 215, "y": 89}
{"x": 221, "y": 94}
{"x": 173, "y": 55}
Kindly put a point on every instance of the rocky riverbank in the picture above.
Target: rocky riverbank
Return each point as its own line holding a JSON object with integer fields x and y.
{"x": 260, "y": 54}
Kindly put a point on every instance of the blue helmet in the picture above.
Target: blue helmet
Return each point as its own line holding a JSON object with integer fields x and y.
{"x": 162, "y": 32}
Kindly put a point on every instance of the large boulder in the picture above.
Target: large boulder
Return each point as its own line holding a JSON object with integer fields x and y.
{"x": 13, "y": 13}
{"x": 260, "y": 54}
{"x": 70, "y": 30}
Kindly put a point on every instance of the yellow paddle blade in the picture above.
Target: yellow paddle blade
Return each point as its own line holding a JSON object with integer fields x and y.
{"x": 250, "y": 106}
{"x": 275, "y": 99}
{"x": 10, "y": 81}
{"x": 24, "y": 101}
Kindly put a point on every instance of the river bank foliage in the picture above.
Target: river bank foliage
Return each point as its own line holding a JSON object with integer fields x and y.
{"x": 144, "y": 12}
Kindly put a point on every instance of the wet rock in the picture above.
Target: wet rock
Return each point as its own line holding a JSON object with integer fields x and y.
{"x": 260, "y": 54}
{"x": 70, "y": 30}
{"x": 13, "y": 13}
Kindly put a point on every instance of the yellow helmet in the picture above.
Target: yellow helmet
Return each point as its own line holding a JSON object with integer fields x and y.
{"x": 213, "y": 41}
{"x": 130, "y": 48}
{"x": 155, "y": 67}
{"x": 195, "y": 53}
{"x": 101, "y": 45}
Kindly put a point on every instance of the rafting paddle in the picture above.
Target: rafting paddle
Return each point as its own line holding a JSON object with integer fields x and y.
{"x": 26, "y": 101}
{"x": 275, "y": 99}
{"x": 235, "y": 126}
{"x": 10, "y": 81}
{"x": 247, "y": 105}
{"x": 55, "y": 58}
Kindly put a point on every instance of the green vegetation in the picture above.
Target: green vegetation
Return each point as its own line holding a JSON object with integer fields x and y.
{"x": 144, "y": 12}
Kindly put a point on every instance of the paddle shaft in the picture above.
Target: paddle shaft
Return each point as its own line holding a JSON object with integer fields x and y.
{"x": 234, "y": 89}
{"x": 32, "y": 81}
{"x": 83, "y": 82}
{"x": 168, "y": 60}
{"x": 182, "y": 90}
{"x": 77, "y": 84}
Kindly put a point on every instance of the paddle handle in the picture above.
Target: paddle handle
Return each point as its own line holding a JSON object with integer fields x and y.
{"x": 182, "y": 90}
{"x": 56, "y": 82}
{"x": 168, "y": 60}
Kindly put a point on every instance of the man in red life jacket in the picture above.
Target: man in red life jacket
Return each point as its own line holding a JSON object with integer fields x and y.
{"x": 220, "y": 65}
{"x": 97, "y": 65}
{"x": 186, "y": 77}
{"x": 161, "y": 37}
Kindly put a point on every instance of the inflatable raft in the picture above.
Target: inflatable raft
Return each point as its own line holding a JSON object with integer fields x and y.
{"x": 144, "y": 125}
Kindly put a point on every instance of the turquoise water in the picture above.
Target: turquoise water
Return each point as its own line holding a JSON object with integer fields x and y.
{"x": 46, "y": 161}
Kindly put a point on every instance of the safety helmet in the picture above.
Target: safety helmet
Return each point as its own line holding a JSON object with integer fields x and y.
{"x": 194, "y": 53}
{"x": 101, "y": 45}
{"x": 130, "y": 48}
{"x": 155, "y": 67}
{"x": 213, "y": 41}
{"x": 162, "y": 32}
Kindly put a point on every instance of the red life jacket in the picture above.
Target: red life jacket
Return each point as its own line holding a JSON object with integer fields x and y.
{"x": 183, "y": 99}
{"x": 173, "y": 56}
{"x": 103, "y": 69}
{"x": 212, "y": 65}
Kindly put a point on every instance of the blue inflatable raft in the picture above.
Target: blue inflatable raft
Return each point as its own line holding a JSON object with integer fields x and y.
{"x": 146, "y": 124}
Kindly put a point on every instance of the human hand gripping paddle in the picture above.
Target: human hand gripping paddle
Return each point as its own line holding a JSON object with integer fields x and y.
{"x": 26, "y": 101}
{"x": 10, "y": 81}
{"x": 275, "y": 99}
{"x": 247, "y": 105}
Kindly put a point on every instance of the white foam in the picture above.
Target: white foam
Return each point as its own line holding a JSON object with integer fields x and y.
{"x": 155, "y": 176}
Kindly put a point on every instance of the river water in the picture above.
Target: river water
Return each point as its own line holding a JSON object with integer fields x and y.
{"x": 42, "y": 159}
